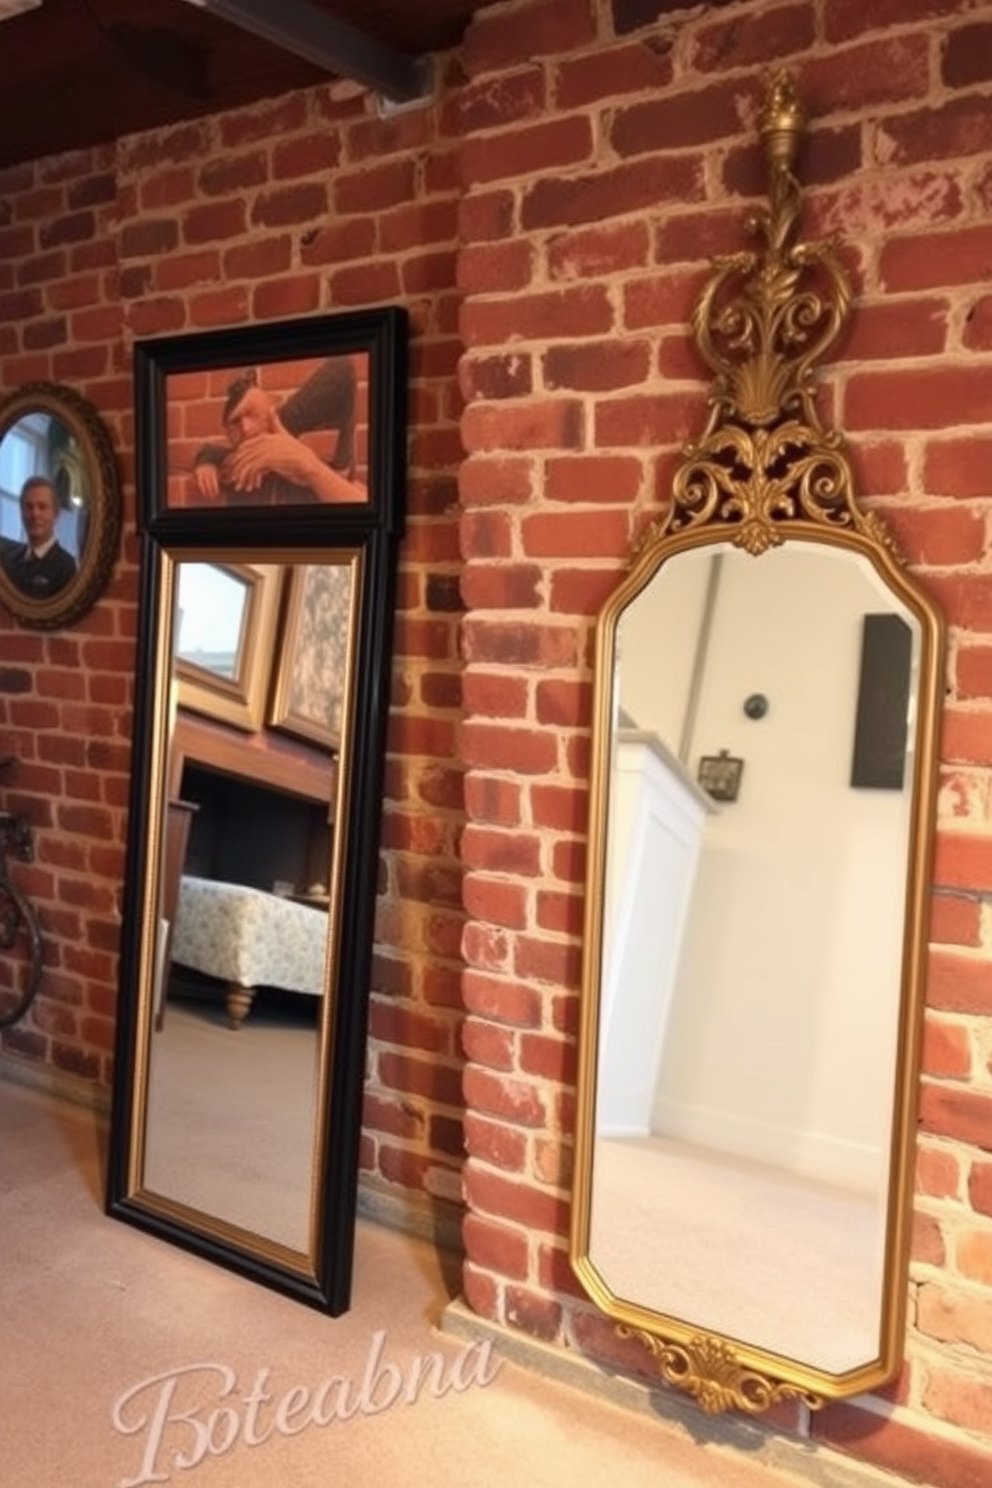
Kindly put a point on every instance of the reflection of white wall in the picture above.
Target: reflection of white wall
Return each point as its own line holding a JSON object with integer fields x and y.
{"x": 656, "y": 828}
{"x": 655, "y": 648}
{"x": 782, "y": 1033}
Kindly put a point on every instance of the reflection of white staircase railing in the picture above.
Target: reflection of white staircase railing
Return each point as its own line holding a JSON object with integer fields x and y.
{"x": 657, "y": 815}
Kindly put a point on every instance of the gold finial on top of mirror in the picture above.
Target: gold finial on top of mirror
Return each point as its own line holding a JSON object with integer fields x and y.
{"x": 761, "y": 322}
{"x": 782, "y": 122}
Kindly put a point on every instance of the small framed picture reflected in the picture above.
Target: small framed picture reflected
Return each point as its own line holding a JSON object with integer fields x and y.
{"x": 720, "y": 775}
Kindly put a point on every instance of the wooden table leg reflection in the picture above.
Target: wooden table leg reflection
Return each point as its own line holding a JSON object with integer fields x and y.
{"x": 178, "y": 819}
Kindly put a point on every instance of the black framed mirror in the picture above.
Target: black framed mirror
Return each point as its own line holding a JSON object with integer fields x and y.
{"x": 271, "y": 470}
{"x": 60, "y": 509}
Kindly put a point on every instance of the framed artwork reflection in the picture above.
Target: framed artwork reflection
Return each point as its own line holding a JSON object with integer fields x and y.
{"x": 225, "y": 623}
{"x": 311, "y": 678}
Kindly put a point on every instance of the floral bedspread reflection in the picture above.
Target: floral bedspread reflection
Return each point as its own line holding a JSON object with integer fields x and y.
{"x": 248, "y": 936}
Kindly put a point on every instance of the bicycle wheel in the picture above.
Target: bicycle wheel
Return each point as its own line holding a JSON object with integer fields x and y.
{"x": 20, "y": 954}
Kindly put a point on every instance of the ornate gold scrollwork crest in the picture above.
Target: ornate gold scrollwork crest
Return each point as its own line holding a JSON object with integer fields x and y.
{"x": 761, "y": 322}
{"x": 710, "y": 1371}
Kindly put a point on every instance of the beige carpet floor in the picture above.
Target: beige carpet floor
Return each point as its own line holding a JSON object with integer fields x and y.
{"x": 126, "y": 1361}
{"x": 245, "y": 1103}
{"x": 739, "y": 1260}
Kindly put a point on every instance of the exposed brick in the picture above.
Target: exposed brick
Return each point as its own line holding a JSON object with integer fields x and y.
{"x": 927, "y": 1247}
{"x": 752, "y": 39}
{"x": 493, "y": 38}
{"x": 642, "y": 66}
{"x": 539, "y": 1316}
{"x": 934, "y": 399}
{"x": 504, "y": 376}
{"x": 487, "y": 217}
{"x": 965, "y": 600}
{"x": 376, "y": 188}
{"x": 494, "y": 268}
{"x": 596, "y": 366}
{"x": 980, "y": 1187}
{"x": 946, "y": 1050}
{"x": 485, "y": 1044}
{"x": 305, "y": 155}
{"x": 962, "y": 1115}
{"x": 955, "y": 1316}
{"x": 960, "y": 127}
{"x": 893, "y": 70}
{"x": 938, "y": 1173}
{"x": 509, "y": 98}
{"x": 540, "y": 149}
{"x": 265, "y": 259}
{"x": 960, "y": 983}
{"x": 586, "y": 311}
{"x": 939, "y": 536}
{"x": 181, "y": 270}
{"x": 77, "y": 227}
{"x": 290, "y": 205}
{"x": 555, "y": 425}
{"x": 977, "y": 334}
{"x": 336, "y": 242}
{"x": 966, "y": 57}
{"x": 496, "y": 1246}
{"x": 370, "y": 283}
{"x": 637, "y": 186}
{"x": 936, "y": 259}
{"x": 217, "y": 220}
{"x": 616, "y": 479}
{"x": 514, "y": 644}
{"x": 973, "y": 1253}
{"x": 419, "y": 223}
{"x": 285, "y": 297}
{"x": 226, "y": 175}
{"x": 958, "y": 466}
{"x": 150, "y": 238}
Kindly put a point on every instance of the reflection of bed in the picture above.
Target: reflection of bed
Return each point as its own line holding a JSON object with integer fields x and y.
{"x": 247, "y": 939}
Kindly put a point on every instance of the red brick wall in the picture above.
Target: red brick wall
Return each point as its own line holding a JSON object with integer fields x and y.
{"x": 66, "y": 698}
{"x": 548, "y": 223}
{"x": 311, "y": 203}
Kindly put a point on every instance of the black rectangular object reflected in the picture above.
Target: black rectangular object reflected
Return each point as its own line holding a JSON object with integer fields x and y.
{"x": 881, "y": 723}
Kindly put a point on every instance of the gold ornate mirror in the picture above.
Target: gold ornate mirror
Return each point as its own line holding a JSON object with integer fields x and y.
{"x": 765, "y": 713}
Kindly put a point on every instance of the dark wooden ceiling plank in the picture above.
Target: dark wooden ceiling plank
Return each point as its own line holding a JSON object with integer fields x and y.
{"x": 69, "y": 79}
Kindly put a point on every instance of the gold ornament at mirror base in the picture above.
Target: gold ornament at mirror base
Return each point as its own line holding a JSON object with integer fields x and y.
{"x": 710, "y": 1370}
{"x": 765, "y": 472}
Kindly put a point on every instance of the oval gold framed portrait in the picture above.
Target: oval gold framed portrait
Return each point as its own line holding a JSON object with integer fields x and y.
{"x": 60, "y": 513}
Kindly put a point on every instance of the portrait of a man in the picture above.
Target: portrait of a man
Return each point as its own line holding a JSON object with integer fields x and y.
{"x": 282, "y": 450}
{"x": 40, "y": 567}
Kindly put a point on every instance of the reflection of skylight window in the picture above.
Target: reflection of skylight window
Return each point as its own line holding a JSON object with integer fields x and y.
{"x": 211, "y": 613}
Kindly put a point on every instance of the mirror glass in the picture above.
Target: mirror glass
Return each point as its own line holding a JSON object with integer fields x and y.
{"x": 245, "y": 904}
{"x": 752, "y": 951}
